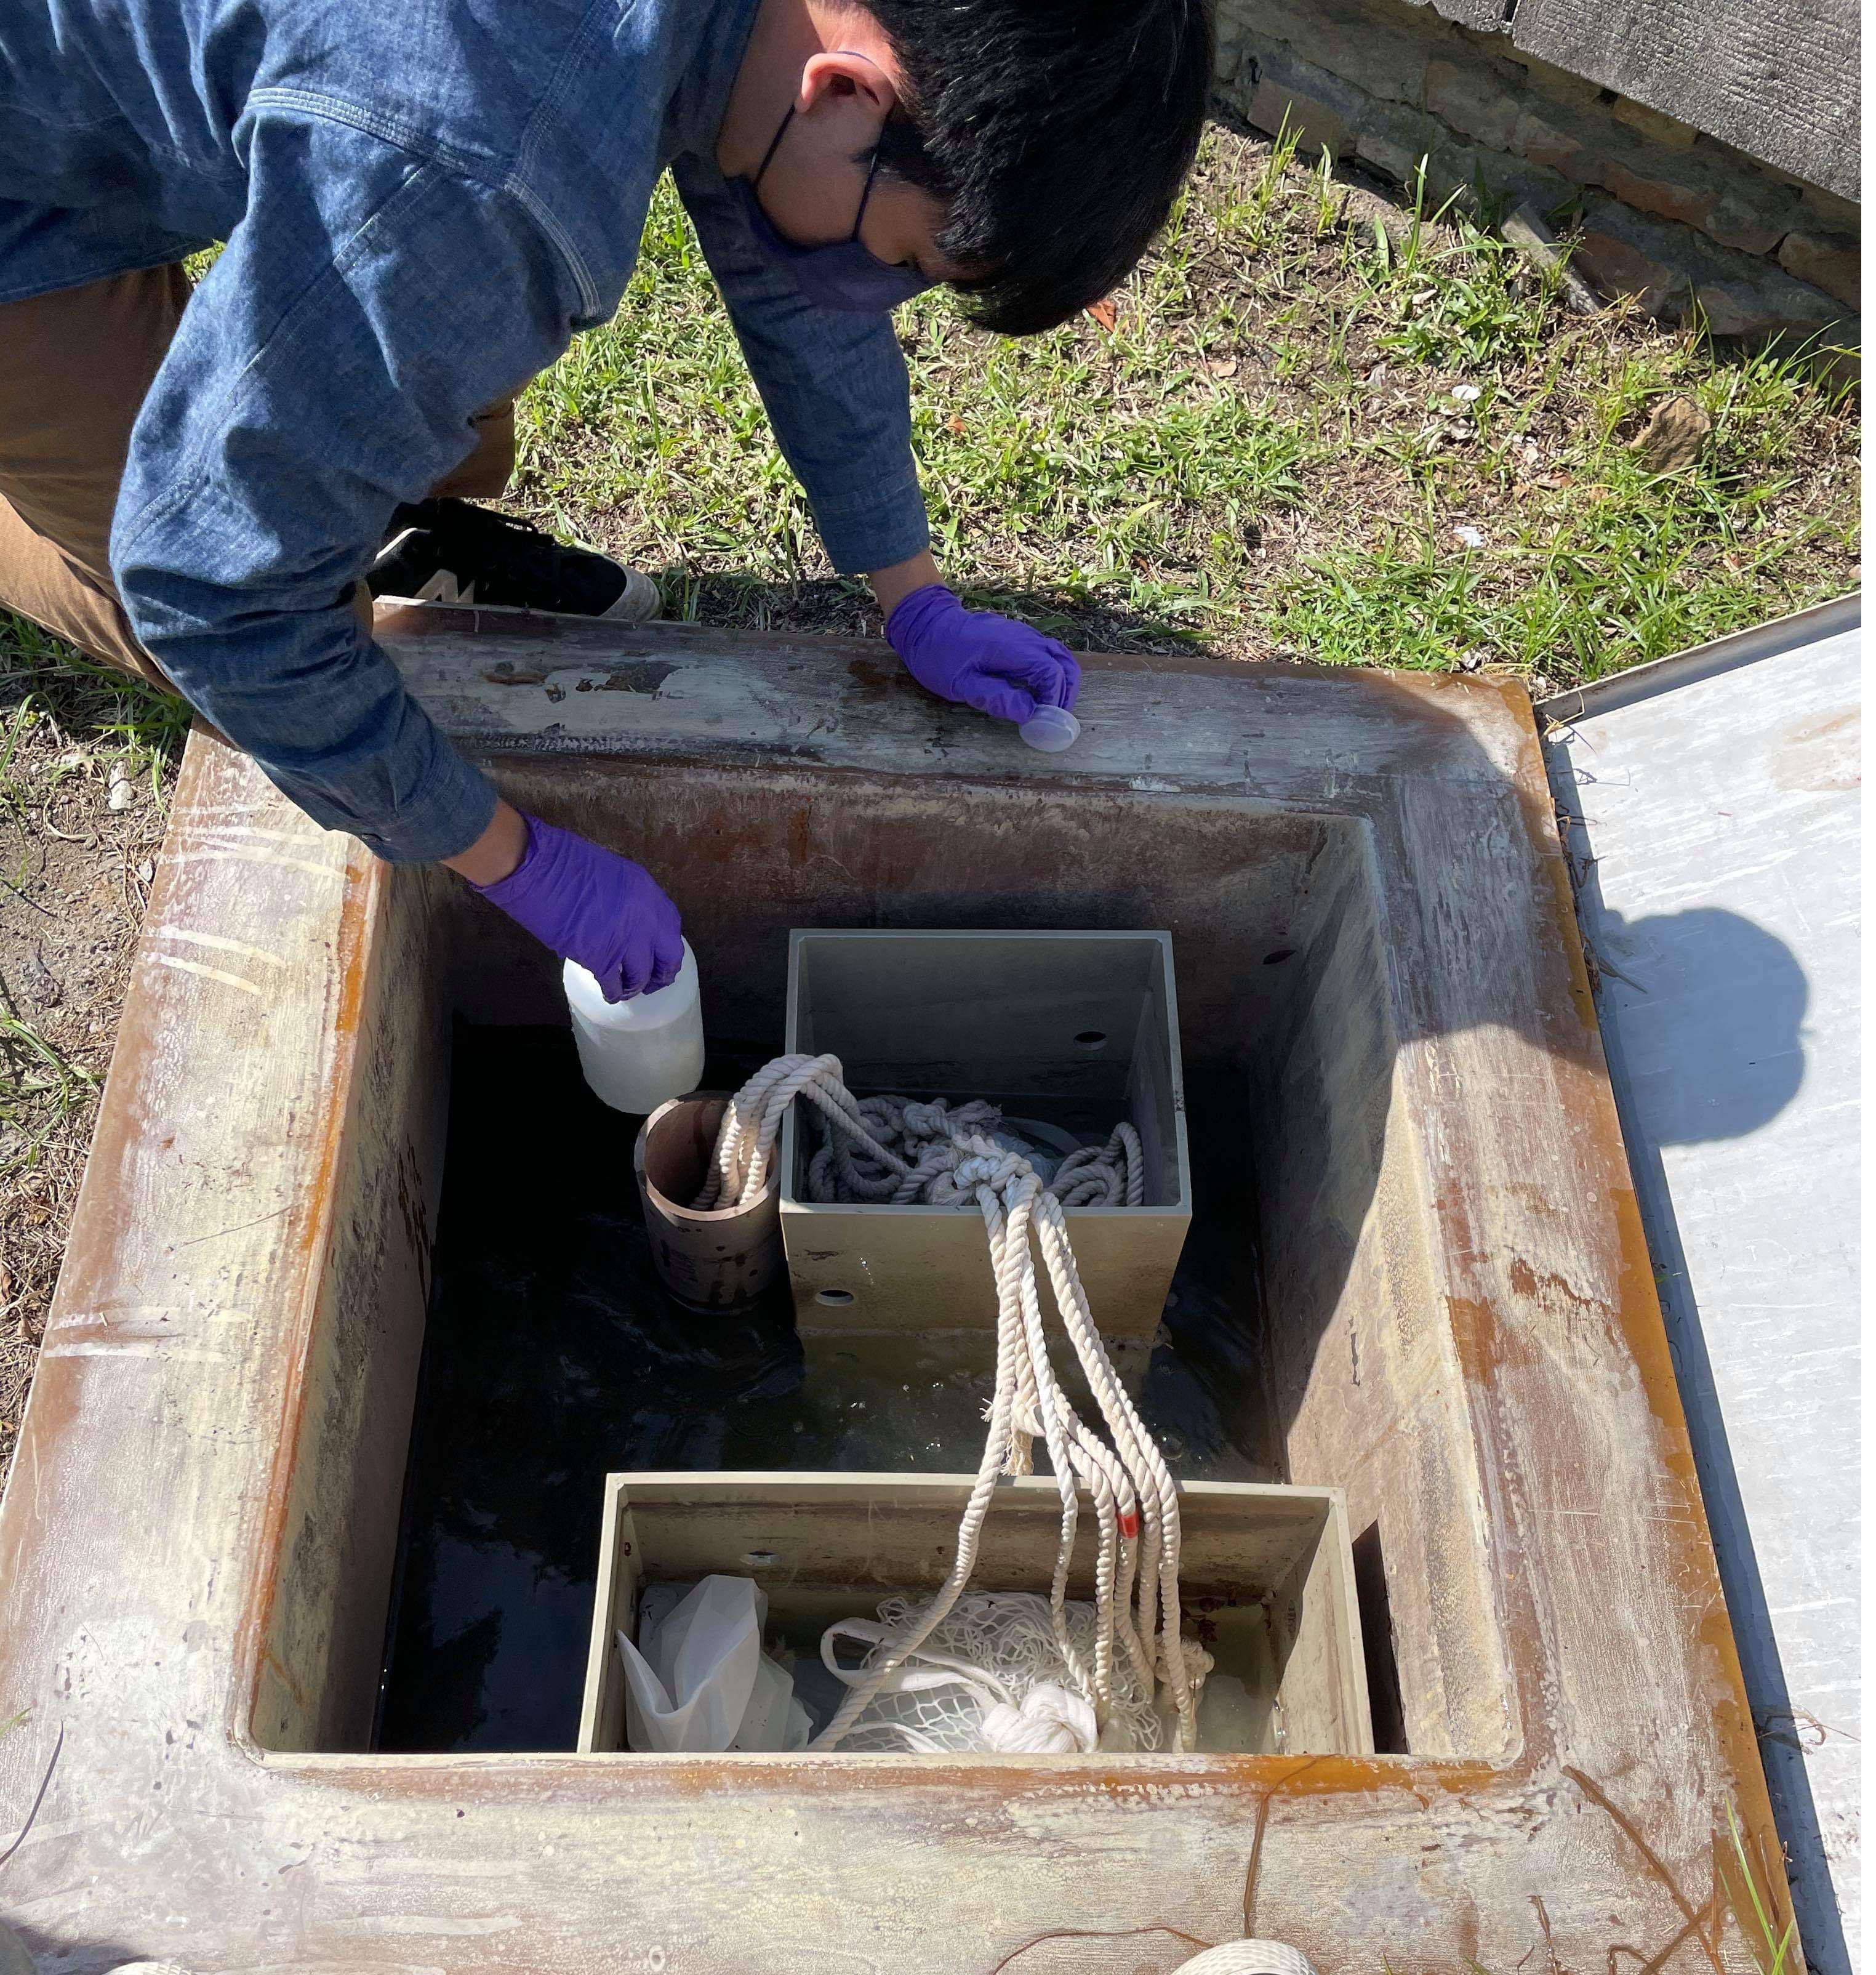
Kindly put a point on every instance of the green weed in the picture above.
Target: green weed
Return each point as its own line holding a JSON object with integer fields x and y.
{"x": 39, "y": 1089}
{"x": 1772, "y": 1949}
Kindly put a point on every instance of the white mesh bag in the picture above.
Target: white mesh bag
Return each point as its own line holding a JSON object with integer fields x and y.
{"x": 990, "y": 1679}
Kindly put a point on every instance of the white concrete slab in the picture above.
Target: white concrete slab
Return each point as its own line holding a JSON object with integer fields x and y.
{"x": 1715, "y": 834}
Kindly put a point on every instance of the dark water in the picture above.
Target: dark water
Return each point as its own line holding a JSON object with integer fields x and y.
{"x": 553, "y": 1358}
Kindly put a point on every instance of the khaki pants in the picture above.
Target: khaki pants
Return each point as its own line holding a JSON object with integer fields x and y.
{"x": 75, "y": 368}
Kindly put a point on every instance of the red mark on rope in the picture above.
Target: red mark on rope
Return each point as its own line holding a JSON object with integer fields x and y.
{"x": 1129, "y": 1524}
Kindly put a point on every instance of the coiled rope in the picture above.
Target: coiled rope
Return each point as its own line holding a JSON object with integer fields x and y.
{"x": 1250, "y": 1957}
{"x": 953, "y": 1162}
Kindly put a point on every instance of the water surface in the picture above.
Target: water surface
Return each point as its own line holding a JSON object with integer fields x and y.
{"x": 553, "y": 1358}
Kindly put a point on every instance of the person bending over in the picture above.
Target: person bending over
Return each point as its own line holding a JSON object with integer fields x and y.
{"x": 421, "y": 206}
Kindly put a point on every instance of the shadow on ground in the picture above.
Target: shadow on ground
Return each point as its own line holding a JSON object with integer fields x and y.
{"x": 843, "y": 606}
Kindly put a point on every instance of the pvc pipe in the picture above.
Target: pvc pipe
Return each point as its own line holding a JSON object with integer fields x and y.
{"x": 716, "y": 1258}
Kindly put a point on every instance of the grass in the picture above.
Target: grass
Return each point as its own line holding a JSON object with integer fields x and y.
{"x": 1599, "y": 562}
{"x": 1265, "y": 454}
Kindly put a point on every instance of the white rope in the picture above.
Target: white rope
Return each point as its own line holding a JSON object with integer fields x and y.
{"x": 1250, "y": 1957}
{"x": 889, "y": 1149}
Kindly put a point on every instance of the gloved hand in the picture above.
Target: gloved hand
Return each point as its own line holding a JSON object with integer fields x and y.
{"x": 1000, "y": 667}
{"x": 588, "y": 906}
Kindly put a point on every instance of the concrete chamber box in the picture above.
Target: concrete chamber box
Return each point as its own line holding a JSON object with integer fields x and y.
{"x": 1073, "y": 1028}
{"x": 1428, "y": 1265}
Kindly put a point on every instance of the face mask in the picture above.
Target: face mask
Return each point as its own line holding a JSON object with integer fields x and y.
{"x": 844, "y": 276}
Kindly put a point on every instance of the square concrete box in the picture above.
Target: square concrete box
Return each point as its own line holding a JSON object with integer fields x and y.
{"x": 1076, "y": 1028}
{"x": 1266, "y": 1576}
{"x": 1444, "y": 1301}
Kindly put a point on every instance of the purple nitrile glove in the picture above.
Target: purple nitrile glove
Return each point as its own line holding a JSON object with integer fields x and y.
{"x": 1000, "y": 667}
{"x": 592, "y": 907}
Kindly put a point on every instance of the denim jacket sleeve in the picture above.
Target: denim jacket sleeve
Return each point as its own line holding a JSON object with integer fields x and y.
{"x": 371, "y": 302}
{"x": 834, "y": 385}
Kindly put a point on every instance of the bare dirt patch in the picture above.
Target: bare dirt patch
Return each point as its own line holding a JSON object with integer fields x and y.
{"x": 74, "y": 879}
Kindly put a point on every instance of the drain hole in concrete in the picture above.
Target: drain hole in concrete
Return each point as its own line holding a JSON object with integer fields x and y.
{"x": 834, "y": 1299}
{"x": 759, "y": 1559}
{"x": 1091, "y": 1039}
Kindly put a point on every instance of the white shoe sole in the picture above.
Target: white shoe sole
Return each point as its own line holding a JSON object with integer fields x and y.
{"x": 638, "y": 602}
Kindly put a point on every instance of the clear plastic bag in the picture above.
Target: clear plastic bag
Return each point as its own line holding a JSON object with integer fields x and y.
{"x": 698, "y": 1679}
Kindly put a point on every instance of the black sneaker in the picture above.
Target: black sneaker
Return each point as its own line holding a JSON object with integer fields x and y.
{"x": 449, "y": 551}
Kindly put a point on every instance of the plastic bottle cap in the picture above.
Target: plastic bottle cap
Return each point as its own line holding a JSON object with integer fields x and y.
{"x": 1050, "y": 729}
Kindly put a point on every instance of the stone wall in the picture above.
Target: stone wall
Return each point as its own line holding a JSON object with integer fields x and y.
{"x": 1656, "y": 209}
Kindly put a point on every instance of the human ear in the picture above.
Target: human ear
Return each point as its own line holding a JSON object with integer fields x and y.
{"x": 836, "y": 74}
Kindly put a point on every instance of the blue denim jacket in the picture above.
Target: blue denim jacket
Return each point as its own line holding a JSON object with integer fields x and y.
{"x": 421, "y": 204}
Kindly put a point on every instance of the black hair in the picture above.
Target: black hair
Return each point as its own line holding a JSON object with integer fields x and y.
{"x": 1057, "y": 134}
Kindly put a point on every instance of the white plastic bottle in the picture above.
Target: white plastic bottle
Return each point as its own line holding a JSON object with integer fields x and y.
{"x": 638, "y": 1054}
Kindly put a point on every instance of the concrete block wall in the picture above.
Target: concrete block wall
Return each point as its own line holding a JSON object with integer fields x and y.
{"x": 1658, "y": 209}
